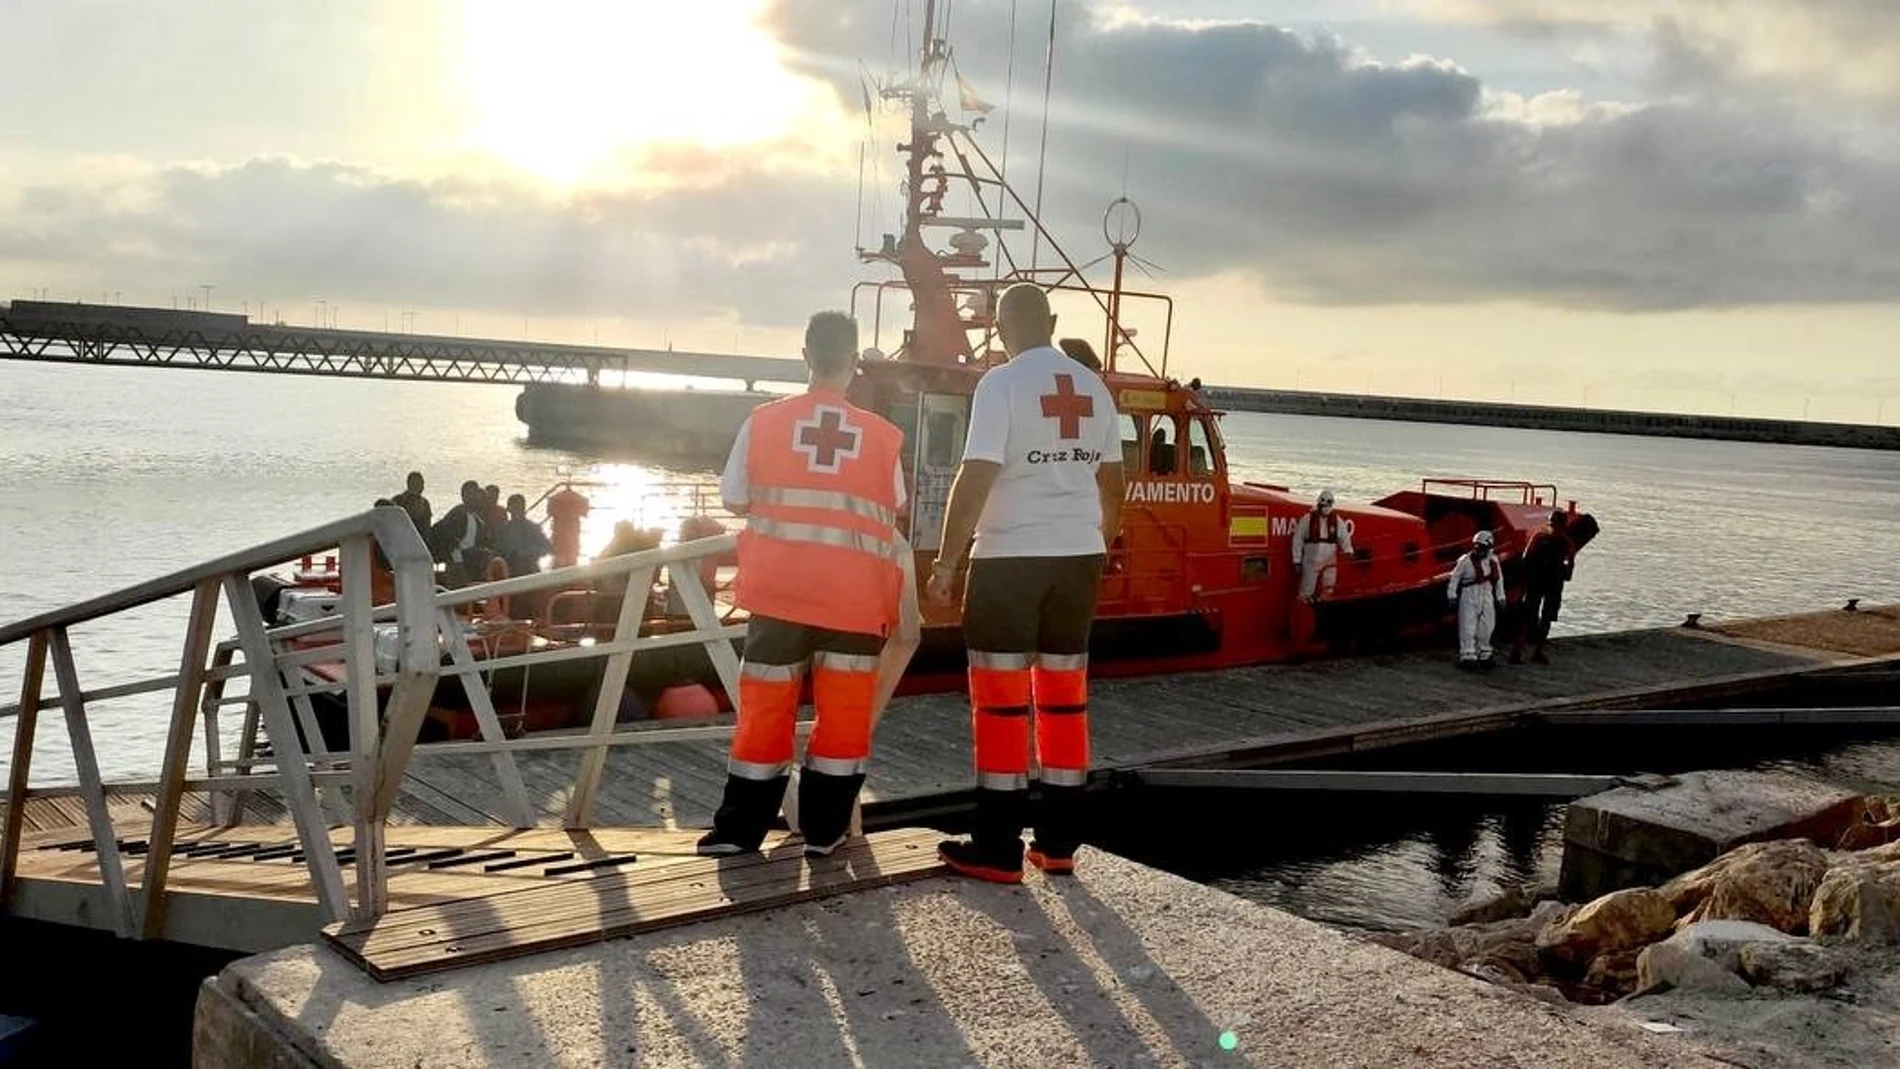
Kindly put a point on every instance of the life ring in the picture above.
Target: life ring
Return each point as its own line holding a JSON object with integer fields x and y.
{"x": 495, "y": 607}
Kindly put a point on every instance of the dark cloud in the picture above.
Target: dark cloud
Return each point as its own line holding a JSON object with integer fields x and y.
{"x": 1333, "y": 178}
{"x": 1847, "y": 50}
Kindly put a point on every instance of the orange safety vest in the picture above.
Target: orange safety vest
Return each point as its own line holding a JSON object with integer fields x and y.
{"x": 1313, "y": 521}
{"x": 819, "y": 546}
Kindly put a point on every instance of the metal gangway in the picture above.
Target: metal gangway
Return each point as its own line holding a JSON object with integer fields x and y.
{"x": 261, "y": 671}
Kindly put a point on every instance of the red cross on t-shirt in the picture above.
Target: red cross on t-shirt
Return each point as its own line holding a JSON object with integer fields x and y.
{"x": 827, "y": 440}
{"x": 1067, "y": 407}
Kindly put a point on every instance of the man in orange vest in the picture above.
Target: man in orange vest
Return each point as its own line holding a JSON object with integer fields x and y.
{"x": 1040, "y": 488}
{"x": 821, "y": 485}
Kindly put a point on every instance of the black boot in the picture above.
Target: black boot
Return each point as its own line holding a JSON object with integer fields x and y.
{"x": 995, "y": 849}
{"x": 745, "y": 814}
{"x": 824, "y": 809}
{"x": 1059, "y": 829}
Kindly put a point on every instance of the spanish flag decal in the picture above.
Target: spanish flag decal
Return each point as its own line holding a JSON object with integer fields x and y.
{"x": 1247, "y": 530}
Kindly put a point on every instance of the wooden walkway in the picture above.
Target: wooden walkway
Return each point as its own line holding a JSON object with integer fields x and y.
{"x": 458, "y": 895}
{"x": 482, "y": 889}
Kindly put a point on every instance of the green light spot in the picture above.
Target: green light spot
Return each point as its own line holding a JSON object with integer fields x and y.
{"x": 1228, "y": 1041}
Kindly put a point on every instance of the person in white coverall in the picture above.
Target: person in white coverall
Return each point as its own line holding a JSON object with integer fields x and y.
{"x": 1317, "y": 543}
{"x": 1477, "y": 592}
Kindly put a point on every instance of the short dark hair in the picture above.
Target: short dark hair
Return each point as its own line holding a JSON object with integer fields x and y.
{"x": 517, "y": 501}
{"x": 831, "y": 342}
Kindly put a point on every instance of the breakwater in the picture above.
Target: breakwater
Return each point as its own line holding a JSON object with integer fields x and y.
{"x": 1555, "y": 418}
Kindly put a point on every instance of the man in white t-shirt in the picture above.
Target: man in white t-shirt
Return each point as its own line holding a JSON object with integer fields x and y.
{"x": 1040, "y": 489}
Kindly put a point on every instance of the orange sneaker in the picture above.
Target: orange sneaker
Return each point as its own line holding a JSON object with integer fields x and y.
{"x": 965, "y": 860}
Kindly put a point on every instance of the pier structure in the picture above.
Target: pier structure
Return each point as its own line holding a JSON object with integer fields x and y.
{"x": 559, "y": 408}
{"x": 292, "y": 836}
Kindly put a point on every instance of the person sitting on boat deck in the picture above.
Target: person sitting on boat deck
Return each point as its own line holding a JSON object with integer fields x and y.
{"x": 417, "y": 506}
{"x": 566, "y": 507}
{"x": 1195, "y": 384}
{"x": 1041, "y": 531}
{"x": 1476, "y": 590}
{"x": 494, "y": 514}
{"x": 820, "y": 482}
{"x": 521, "y": 543}
{"x": 1549, "y": 561}
{"x": 1081, "y": 352}
{"x": 1317, "y": 543}
{"x": 460, "y": 540}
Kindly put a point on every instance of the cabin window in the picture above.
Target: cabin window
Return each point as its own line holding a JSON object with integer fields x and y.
{"x": 1164, "y": 443}
{"x": 1131, "y": 441}
{"x": 1200, "y": 451}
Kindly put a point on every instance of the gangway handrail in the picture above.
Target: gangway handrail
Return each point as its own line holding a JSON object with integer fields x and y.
{"x": 394, "y": 531}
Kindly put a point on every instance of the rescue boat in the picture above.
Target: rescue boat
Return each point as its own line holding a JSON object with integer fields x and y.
{"x": 1201, "y": 575}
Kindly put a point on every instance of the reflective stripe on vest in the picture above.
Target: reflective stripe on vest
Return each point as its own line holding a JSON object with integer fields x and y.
{"x": 793, "y": 497}
{"x": 822, "y": 535}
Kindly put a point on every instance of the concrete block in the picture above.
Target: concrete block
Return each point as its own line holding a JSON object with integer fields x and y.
{"x": 1120, "y": 966}
{"x": 1636, "y": 836}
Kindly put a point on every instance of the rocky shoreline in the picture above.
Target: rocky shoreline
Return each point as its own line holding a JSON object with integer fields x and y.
{"x": 1813, "y": 926}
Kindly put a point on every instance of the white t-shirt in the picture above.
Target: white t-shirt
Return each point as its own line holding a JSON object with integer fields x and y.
{"x": 735, "y": 486}
{"x": 1050, "y": 422}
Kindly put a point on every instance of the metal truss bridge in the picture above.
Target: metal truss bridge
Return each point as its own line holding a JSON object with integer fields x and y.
{"x": 66, "y": 333}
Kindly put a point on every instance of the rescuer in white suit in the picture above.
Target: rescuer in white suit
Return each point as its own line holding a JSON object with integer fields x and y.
{"x": 1317, "y": 543}
{"x": 1477, "y": 591}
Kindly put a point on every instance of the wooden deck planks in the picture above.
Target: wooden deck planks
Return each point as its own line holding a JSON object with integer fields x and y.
{"x": 455, "y": 934}
{"x": 922, "y": 746}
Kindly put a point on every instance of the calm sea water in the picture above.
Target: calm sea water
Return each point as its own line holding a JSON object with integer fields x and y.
{"x": 109, "y": 476}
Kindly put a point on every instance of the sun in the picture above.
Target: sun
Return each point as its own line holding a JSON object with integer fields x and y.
{"x": 561, "y": 88}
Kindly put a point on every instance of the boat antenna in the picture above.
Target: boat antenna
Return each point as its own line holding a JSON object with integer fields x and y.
{"x": 1042, "y": 152}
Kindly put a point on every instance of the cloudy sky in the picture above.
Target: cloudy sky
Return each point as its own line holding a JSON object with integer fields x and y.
{"x": 1645, "y": 203}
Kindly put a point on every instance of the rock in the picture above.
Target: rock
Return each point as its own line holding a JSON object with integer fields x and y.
{"x": 1795, "y": 966}
{"x": 1860, "y": 902}
{"x": 1552, "y": 912}
{"x": 1620, "y": 920}
{"x": 1873, "y": 856}
{"x": 1435, "y": 945}
{"x": 1770, "y": 883}
{"x": 1493, "y": 972}
{"x": 1511, "y": 903}
{"x": 1614, "y": 972}
{"x": 1862, "y": 836}
{"x": 1679, "y": 965}
{"x": 1706, "y": 956}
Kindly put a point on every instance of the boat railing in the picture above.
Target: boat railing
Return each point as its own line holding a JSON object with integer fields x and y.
{"x": 1527, "y": 493}
{"x": 404, "y": 647}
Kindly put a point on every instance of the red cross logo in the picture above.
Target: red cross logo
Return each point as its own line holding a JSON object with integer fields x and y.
{"x": 827, "y": 439}
{"x": 1067, "y": 407}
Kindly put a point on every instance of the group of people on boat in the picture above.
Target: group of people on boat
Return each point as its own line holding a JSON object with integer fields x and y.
{"x": 481, "y": 538}
{"x": 1476, "y": 589}
{"x": 821, "y": 484}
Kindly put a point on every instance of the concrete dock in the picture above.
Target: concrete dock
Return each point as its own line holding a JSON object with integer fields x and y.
{"x": 1122, "y": 966}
